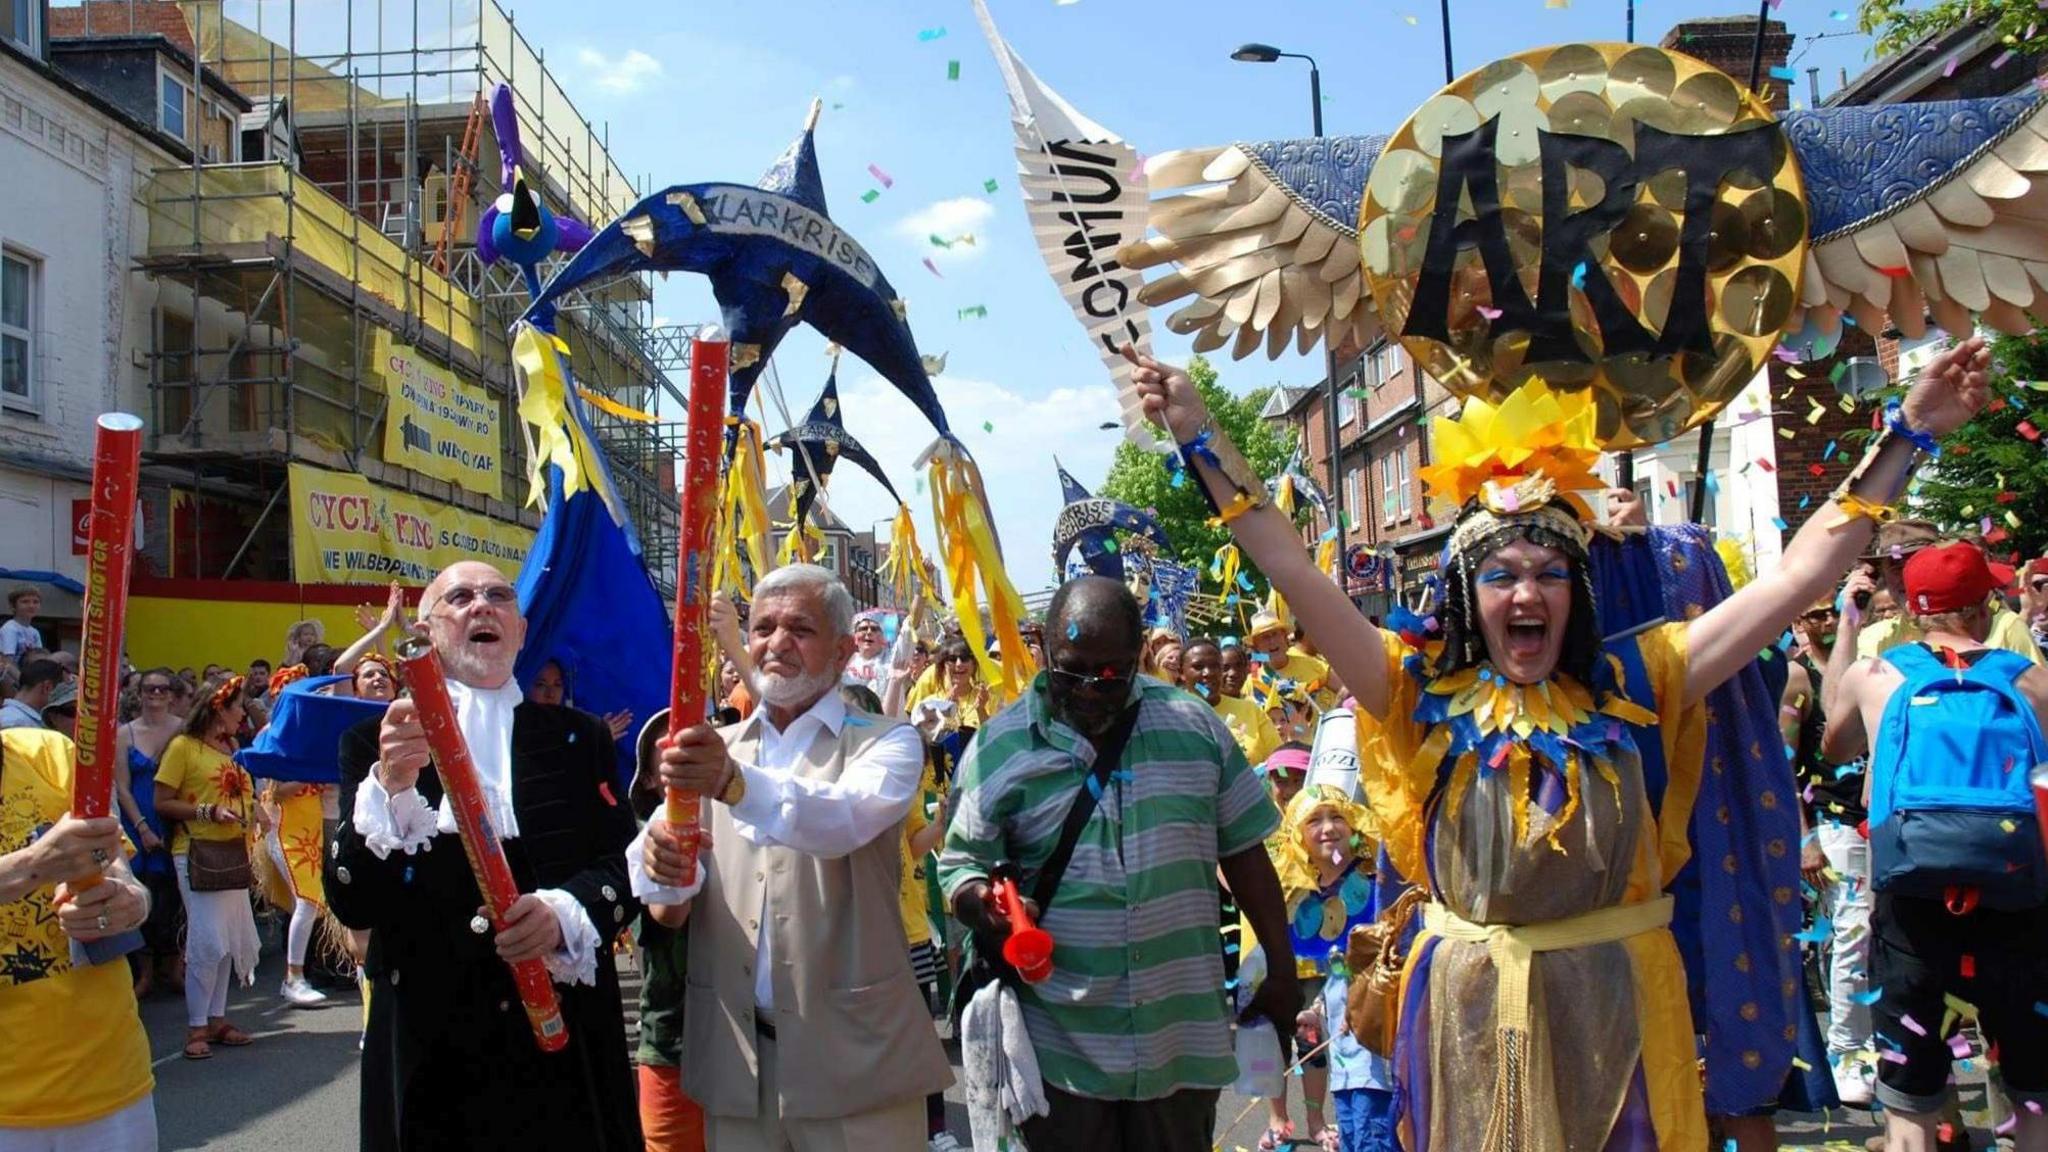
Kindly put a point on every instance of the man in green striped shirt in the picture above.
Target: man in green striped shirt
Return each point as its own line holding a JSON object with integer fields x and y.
{"x": 1132, "y": 1029}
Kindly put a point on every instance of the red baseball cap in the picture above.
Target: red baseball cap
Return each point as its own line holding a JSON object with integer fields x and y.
{"x": 2037, "y": 567}
{"x": 1949, "y": 577}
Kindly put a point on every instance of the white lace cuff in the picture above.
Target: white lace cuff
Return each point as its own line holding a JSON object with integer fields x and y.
{"x": 575, "y": 962}
{"x": 387, "y": 823}
{"x": 644, "y": 886}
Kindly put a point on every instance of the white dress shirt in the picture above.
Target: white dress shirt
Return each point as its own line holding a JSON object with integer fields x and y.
{"x": 405, "y": 823}
{"x": 824, "y": 818}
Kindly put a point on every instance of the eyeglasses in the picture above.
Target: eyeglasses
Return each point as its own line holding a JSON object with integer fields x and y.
{"x": 1109, "y": 680}
{"x": 155, "y": 689}
{"x": 496, "y": 595}
{"x": 1818, "y": 614}
{"x": 961, "y": 658}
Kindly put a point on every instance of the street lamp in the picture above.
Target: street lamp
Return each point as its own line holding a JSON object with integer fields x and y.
{"x": 1266, "y": 54}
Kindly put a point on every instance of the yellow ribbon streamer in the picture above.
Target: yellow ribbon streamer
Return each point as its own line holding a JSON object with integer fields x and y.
{"x": 960, "y": 509}
{"x": 545, "y": 405}
{"x": 1223, "y": 568}
{"x": 605, "y": 403}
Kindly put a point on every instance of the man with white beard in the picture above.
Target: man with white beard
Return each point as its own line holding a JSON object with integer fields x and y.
{"x": 449, "y": 1060}
{"x": 803, "y": 1026}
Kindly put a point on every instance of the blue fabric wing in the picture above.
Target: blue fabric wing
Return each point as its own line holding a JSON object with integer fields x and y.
{"x": 302, "y": 742}
{"x": 591, "y": 607}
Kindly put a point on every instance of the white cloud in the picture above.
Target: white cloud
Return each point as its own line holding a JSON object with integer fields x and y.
{"x": 949, "y": 220}
{"x": 1016, "y": 458}
{"x": 622, "y": 76}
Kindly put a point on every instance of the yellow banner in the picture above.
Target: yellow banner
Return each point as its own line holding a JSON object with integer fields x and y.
{"x": 346, "y": 530}
{"x": 436, "y": 424}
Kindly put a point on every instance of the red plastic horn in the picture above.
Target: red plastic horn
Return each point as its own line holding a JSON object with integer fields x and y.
{"x": 1028, "y": 948}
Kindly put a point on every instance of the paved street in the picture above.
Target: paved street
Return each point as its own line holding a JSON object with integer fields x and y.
{"x": 295, "y": 1087}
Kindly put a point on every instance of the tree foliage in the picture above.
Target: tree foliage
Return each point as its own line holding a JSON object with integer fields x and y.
{"x": 2019, "y": 24}
{"x": 1992, "y": 477}
{"x": 1143, "y": 480}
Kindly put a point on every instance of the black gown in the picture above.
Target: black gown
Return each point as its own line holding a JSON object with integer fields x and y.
{"x": 449, "y": 1060}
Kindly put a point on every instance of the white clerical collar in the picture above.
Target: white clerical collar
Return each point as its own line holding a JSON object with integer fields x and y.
{"x": 485, "y": 717}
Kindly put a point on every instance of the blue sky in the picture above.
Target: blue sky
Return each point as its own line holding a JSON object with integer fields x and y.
{"x": 694, "y": 92}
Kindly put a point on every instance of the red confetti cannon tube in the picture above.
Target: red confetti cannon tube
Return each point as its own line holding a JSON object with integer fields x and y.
{"x": 710, "y": 356}
{"x": 479, "y": 839}
{"x": 110, "y": 553}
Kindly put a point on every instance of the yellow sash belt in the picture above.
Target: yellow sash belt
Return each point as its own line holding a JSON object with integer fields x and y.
{"x": 1513, "y": 948}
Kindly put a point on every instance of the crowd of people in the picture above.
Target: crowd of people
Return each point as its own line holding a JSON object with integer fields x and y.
{"x": 1495, "y": 895}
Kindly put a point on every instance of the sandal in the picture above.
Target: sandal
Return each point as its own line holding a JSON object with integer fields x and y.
{"x": 228, "y": 1036}
{"x": 196, "y": 1047}
{"x": 1328, "y": 1139}
{"x": 1275, "y": 1139}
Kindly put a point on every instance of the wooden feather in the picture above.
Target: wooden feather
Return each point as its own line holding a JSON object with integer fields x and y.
{"x": 1962, "y": 278}
{"x": 2007, "y": 279}
{"x": 1907, "y": 308}
{"x": 1880, "y": 246}
{"x": 1994, "y": 179}
{"x": 1228, "y": 165}
{"x": 1921, "y": 228}
{"x": 1958, "y": 204}
{"x": 1181, "y": 167}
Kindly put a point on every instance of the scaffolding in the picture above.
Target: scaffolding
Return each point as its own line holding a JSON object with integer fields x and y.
{"x": 283, "y": 275}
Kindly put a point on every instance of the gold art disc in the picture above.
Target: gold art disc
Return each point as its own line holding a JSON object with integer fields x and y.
{"x": 1658, "y": 122}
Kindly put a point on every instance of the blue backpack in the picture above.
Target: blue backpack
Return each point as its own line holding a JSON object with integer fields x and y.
{"x": 1951, "y": 815}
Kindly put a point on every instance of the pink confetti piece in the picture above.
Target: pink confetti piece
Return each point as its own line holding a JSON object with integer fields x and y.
{"x": 2002, "y": 59}
{"x": 933, "y": 268}
{"x": 1949, "y": 69}
{"x": 881, "y": 177}
{"x": 1891, "y": 1057}
{"x": 1960, "y": 1046}
{"x": 1912, "y": 1025}
{"x": 1489, "y": 313}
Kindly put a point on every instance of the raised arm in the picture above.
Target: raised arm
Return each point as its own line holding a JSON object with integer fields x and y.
{"x": 394, "y": 610}
{"x": 1949, "y": 392}
{"x": 1350, "y": 643}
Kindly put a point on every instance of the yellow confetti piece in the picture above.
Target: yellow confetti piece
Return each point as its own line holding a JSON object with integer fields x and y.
{"x": 1849, "y": 404}
{"x": 2011, "y": 520}
{"x": 1813, "y": 416}
{"x": 1969, "y": 509}
{"x": 1794, "y": 373}
{"x": 1785, "y": 432}
{"x": 1557, "y": 3}
{"x": 1802, "y": 1065}
{"x": 2009, "y": 826}
{"x": 1410, "y": 20}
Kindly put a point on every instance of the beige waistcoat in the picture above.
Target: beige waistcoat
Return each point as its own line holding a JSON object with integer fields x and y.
{"x": 853, "y": 1033}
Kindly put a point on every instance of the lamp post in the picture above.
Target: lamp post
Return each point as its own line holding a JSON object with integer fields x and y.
{"x": 1267, "y": 54}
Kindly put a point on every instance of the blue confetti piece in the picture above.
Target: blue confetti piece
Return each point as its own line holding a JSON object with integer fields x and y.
{"x": 1230, "y": 949}
{"x": 1804, "y": 501}
{"x": 1713, "y": 484}
{"x": 1244, "y": 582}
{"x": 1779, "y": 522}
{"x": 1828, "y": 453}
{"x": 1784, "y": 74}
{"x": 1579, "y": 276}
{"x": 1180, "y": 479}
{"x": 1094, "y": 788}
{"x": 2041, "y": 1008}
{"x": 1876, "y": 994}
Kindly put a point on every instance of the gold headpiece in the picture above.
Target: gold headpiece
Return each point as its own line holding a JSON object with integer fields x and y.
{"x": 1513, "y": 460}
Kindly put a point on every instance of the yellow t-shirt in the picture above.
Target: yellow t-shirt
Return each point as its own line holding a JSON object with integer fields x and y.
{"x": 914, "y": 894}
{"x": 926, "y": 684}
{"x": 81, "y": 1053}
{"x": 1311, "y": 672}
{"x": 2008, "y": 631}
{"x": 203, "y": 775}
{"x": 1249, "y": 724}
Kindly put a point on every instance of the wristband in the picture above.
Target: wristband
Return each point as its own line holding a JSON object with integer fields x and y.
{"x": 1895, "y": 419}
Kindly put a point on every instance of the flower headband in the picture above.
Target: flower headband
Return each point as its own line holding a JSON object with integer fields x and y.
{"x": 226, "y": 694}
{"x": 285, "y": 676}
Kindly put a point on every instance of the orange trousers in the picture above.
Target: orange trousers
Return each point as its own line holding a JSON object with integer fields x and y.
{"x": 669, "y": 1120}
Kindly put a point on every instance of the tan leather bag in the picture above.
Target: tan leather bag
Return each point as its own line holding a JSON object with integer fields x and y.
{"x": 1375, "y": 962}
{"x": 218, "y": 865}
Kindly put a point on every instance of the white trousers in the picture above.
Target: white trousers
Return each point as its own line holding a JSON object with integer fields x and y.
{"x": 1846, "y": 902}
{"x": 132, "y": 1129}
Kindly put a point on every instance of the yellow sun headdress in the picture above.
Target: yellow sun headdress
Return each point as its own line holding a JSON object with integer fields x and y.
{"x": 1512, "y": 462}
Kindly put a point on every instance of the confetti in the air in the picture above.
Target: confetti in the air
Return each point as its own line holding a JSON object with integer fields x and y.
{"x": 978, "y": 311}
{"x": 1410, "y": 20}
{"x": 1785, "y": 74}
{"x": 988, "y": 426}
{"x": 870, "y": 196}
{"x": 988, "y": 185}
{"x": 931, "y": 34}
{"x": 881, "y": 177}
{"x": 952, "y": 69}
{"x": 1489, "y": 313}
{"x": 1949, "y": 69}
{"x": 933, "y": 268}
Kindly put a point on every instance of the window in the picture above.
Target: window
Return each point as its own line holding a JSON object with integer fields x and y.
{"x": 1387, "y": 482}
{"x": 1386, "y": 362}
{"x": 1347, "y": 401}
{"x": 17, "y": 331}
{"x": 1403, "y": 485}
{"x": 1354, "y": 490}
{"x": 173, "y": 97}
{"x": 18, "y": 20}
